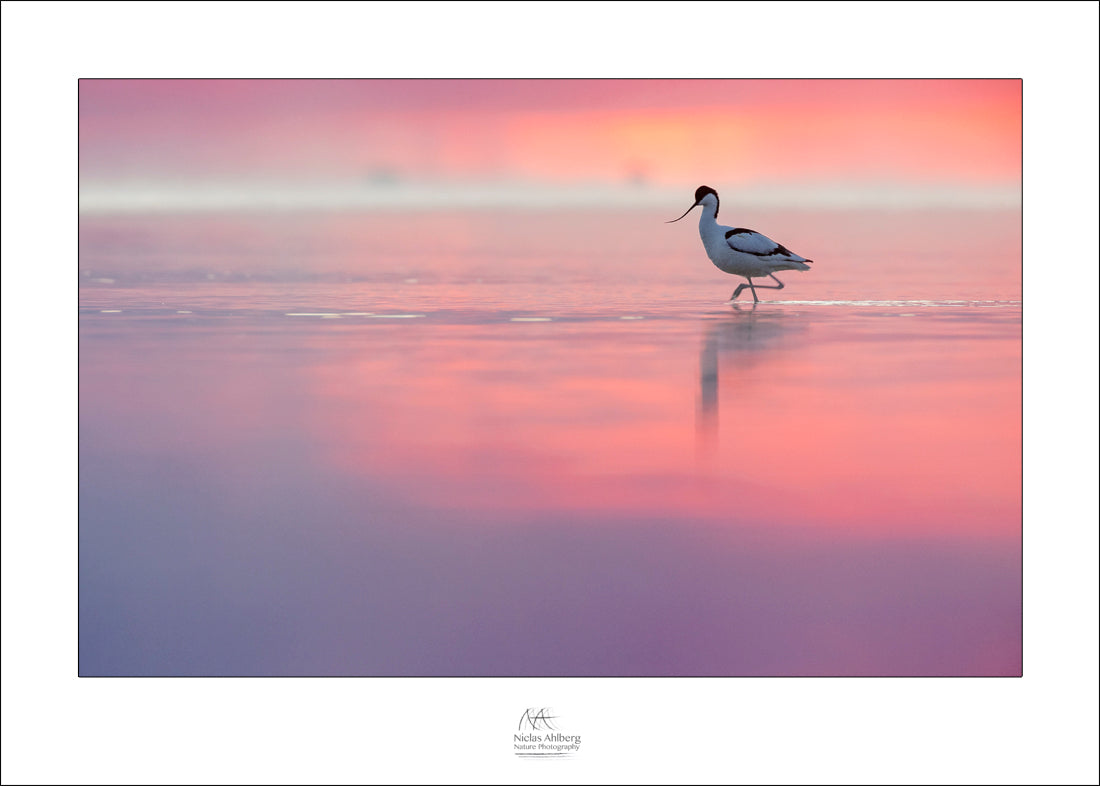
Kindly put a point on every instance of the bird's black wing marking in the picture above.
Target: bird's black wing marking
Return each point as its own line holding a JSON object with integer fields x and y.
{"x": 749, "y": 242}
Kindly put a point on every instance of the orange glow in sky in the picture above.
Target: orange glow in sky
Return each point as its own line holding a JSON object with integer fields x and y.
{"x": 663, "y": 131}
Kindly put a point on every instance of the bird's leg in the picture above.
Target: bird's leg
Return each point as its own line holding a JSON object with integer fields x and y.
{"x": 752, "y": 286}
{"x": 779, "y": 284}
{"x": 740, "y": 287}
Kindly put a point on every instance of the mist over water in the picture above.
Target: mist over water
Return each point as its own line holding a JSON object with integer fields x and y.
{"x": 538, "y": 442}
{"x": 390, "y": 194}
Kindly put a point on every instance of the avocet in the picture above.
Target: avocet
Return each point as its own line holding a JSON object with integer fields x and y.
{"x": 738, "y": 251}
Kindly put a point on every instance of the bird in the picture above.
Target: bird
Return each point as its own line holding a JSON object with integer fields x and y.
{"x": 739, "y": 251}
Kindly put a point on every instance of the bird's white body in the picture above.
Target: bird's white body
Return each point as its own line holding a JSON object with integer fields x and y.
{"x": 743, "y": 252}
{"x": 739, "y": 251}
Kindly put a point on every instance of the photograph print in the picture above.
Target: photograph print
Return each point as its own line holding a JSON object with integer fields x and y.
{"x": 550, "y": 378}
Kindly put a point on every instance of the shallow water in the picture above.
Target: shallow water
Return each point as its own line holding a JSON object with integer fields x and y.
{"x": 542, "y": 444}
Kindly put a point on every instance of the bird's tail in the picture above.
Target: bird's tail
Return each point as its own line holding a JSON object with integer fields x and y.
{"x": 794, "y": 264}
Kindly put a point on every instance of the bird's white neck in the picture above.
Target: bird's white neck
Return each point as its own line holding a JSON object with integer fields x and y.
{"x": 708, "y": 220}
{"x": 708, "y": 212}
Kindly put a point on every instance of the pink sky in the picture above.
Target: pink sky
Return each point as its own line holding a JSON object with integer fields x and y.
{"x": 663, "y": 131}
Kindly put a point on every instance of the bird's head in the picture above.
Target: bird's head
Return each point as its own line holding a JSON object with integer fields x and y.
{"x": 704, "y": 195}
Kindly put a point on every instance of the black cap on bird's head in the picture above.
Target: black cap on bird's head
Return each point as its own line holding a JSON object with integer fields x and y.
{"x": 700, "y": 192}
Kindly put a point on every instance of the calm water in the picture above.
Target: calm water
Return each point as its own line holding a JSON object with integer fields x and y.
{"x": 540, "y": 444}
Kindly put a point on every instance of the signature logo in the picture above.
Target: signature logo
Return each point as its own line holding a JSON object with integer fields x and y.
{"x": 539, "y": 737}
{"x": 537, "y": 719}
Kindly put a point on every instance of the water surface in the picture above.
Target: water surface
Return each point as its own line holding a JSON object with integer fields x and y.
{"x": 542, "y": 444}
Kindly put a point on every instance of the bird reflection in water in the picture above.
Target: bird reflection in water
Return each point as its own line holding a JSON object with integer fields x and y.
{"x": 746, "y": 338}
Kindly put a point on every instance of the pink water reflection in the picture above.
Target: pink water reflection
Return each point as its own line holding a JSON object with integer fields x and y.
{"x": 383, "y": 500}
{"x": 817, "y": 421}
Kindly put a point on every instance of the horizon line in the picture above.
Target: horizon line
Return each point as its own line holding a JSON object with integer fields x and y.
{"x": 134, "y": 196}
